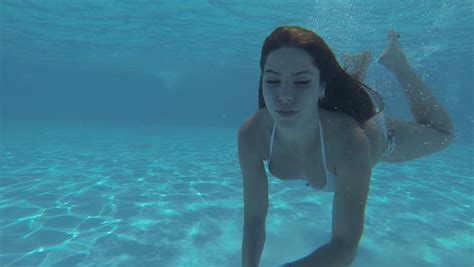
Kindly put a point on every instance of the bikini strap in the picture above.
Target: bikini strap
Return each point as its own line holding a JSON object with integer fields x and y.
{"x": 322, "y": 146}
{"x": 271, "y": 141}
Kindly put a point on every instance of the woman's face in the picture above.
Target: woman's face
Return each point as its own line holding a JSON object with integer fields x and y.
{"x": 291, "y": 86}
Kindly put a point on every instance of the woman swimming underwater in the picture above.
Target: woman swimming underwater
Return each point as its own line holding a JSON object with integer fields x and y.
{"x": 319, "y": 123}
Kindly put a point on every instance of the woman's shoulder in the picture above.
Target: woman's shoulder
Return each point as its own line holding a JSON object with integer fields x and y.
{"x": 342, "y": 131}
{"x": 254, "y": 131}
{"x": 255, "y": 123}
{"x": 338, "y": 123}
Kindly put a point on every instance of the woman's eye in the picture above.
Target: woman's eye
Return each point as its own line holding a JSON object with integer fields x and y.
{"x": 297, "y": 82}
{"x": 272, "y": 81}
{"x": 303, "y": 82}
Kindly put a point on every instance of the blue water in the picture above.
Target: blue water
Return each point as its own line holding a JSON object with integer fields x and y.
{"x": 118, "y": 128}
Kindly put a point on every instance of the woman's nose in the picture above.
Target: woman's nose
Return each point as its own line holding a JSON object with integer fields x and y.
{"x": 285, "y": 95}
{"x": 285, "y": 98}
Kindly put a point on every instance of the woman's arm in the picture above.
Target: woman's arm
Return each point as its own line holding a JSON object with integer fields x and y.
{"x": 352, "y": 187}
{"x": 255, "y": 183}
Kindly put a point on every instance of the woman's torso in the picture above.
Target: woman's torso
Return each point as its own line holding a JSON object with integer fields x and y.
{"x": 286, "y": 163}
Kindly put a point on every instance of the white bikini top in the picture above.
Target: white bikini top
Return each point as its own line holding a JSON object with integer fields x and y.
{"x": 330, "y": 178}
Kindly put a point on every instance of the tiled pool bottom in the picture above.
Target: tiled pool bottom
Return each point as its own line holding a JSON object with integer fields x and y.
{"x": 156, "y": 196}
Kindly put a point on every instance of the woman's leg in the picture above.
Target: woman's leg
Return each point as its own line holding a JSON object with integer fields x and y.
{"x": 433, "y": 129}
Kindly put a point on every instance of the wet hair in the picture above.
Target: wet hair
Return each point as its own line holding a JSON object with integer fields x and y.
{"x": 343, "y": 92}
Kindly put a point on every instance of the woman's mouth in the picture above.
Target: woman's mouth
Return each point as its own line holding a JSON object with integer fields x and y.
{"x": 287, "y": 113}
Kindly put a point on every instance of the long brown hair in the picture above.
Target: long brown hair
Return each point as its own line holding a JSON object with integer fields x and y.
{"x": 343, "y": 92}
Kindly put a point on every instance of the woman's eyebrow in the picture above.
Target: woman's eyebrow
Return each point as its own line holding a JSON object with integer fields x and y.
{"x": 302, "y": 72}
{"x": 271, "y": 71}
{"x": 294, "y": 74}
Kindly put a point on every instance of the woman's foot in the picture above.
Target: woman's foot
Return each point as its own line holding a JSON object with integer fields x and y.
{"x": 392, "y": 57}
{"x": 357, "y": 64}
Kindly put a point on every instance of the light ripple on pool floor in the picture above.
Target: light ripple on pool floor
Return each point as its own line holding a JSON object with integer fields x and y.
{"x": 169, "y": 198}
